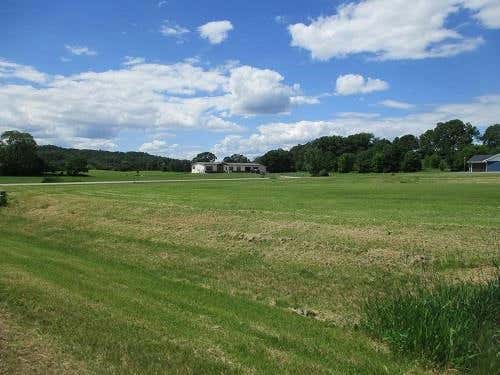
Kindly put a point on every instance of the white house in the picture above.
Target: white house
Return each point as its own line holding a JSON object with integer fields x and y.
{"x": 221, "y": 167}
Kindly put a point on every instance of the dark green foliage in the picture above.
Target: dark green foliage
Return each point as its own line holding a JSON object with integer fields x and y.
{"x": 406, "y": 143}
{"x": 453, "y": 325}
{"x": 18, "y": 154}
{"x": 315, "y": 161}
{"x": 491, "y": 137}
{"x": 276, "y": 161}
{"x": 236, "y": 158}
{"x": 204, "y": 157}
{"x": 411, "y": 162}
{"x": 447, "y": 139}
{"x": 55, "y": 159}
{"x": 3, "y": 198}
{"x": 346, "y": 163}
{"x": 432, "y": 161}
{"x": 443, "y": 165}
{"x": 75, "y": 166}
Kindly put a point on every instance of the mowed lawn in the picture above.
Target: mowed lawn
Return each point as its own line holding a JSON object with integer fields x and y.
{"x": 216, "y": 276}
{"x": 100, "y": 175}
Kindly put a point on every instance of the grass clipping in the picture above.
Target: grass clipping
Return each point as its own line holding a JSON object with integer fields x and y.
{"x": 449, "y": 325}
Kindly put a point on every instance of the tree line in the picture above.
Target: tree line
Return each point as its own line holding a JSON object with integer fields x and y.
{"x": 20, "y": 155}
{"x": 446, "y": 147}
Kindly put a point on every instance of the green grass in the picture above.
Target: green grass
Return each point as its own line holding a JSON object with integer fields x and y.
{"x": 205, "y": 276}
{"x": 100, "y": 175}
{"x": 456, "y": 325}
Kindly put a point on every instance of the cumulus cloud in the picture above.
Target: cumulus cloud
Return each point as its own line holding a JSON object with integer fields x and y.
{"x": 139, "y": 96}
{"x": 483, "y": 111}
{"x": 396, "y": 104}
{"x": 258, "y": 91}
{"x": 216, "y": 32}
{"x": 350, "y": 84}
{"x": 390, "y": 29}
{"x": 81, "y": 50}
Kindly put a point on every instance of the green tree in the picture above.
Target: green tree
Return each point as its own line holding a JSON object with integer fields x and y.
{"x": 411, "y": 162}
{"x": 18, "y": 154}
{"x": 315, "y": 161}
{"x": 453, "y": 136}
{"x": 406, "y": 143}
{"x": 365, "y": 161}
{"x": 432, "y": 161}
{"x": 491, "y": 137}
{"x": 346, "y": 162}
{"x": 76, "y": 165}
{"x": 277, "y": 161}
{"x": 236, "y": 158}
{"x": 204, "y": 157}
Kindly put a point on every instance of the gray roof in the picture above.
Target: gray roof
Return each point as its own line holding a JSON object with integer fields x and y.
{"x": 479, "y": 158}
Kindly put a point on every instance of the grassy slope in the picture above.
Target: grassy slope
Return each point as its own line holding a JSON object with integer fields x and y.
{"x": 203, "y": 276}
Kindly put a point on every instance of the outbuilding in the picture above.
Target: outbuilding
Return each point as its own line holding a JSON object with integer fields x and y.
{"x": 484, "y": 163}
{"x": 221, "y": 167}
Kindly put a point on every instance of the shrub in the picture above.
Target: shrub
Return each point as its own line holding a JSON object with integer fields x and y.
{"x": 448, "y": 325}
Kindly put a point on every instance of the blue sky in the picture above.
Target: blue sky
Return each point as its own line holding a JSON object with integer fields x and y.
{"x": 179, "y": 77}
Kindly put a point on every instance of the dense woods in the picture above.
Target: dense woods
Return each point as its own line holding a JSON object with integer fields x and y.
{"x": 446, "y": 147}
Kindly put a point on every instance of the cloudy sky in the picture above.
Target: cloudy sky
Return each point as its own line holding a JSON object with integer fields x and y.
{"x": 176, "y": 77}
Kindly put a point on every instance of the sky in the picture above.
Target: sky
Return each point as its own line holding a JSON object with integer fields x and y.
{"x": 178, "y": 77}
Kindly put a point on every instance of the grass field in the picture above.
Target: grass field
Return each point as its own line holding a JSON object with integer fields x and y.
{"x": 99, "y": 175}
{"x": 230, "y": 276}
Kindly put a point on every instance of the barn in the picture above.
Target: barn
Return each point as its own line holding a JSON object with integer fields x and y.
{"x": 222, "y": 167}
{"x": 484, "y": 163}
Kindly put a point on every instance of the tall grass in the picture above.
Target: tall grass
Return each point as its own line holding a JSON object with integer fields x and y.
{"x": 450, "y": 325}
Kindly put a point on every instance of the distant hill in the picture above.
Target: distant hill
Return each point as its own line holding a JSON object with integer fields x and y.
{"x": 55, "y": 158}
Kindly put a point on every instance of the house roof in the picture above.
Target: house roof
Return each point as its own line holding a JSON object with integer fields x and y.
{"x": 244, "y": 164}
{"x": 479, "y": 158}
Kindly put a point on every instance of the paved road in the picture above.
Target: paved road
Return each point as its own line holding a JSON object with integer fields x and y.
{"x": 130, "y": 181}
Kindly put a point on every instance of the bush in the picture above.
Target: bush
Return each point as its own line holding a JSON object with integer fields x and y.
{"x": 323, "y": 173}
{"x": 448, "y": 325}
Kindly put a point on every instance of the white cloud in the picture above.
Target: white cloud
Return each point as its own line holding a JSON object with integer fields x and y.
{"x": 216, "y": 32}
{"x": 258, "y": 91}
{"x": 162, "y": 148}
{"x": 487, "y": 12}
{"x": 350, "y": 84}
{"x": 162, "y": 3}
{"x": 24, "y": 72}
{"x": 153, "y": 147}
{"x": 483, "y": 111}
{"x": 173, "y": 30}
{"x": 391, "y": 29}
{"x": 140, "y": 97}
{"x": 81, "y": 50}
{"x": 396, "y": 104}
{"x": 302, "y": 100}
{"x": 131, "y": 60}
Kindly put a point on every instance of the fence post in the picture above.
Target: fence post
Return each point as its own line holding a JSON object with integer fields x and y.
{"x": 3, "y": 198}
